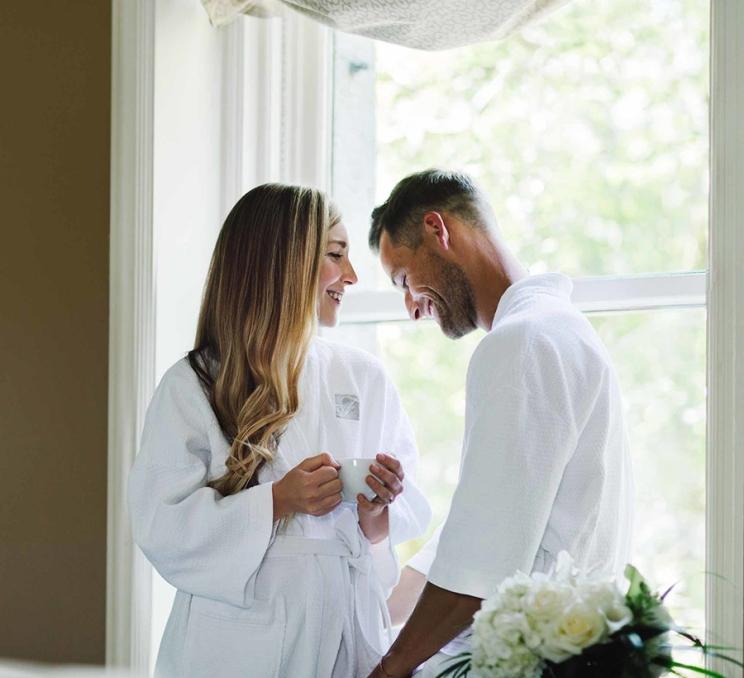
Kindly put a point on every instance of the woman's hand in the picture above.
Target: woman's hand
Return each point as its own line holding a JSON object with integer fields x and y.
{"x": 311, "y": 487}
{"x": 387, "y": 484}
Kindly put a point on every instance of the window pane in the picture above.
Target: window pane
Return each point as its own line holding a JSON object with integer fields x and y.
{"x": 588, "y": 132}
{"x": 660, "y": 359}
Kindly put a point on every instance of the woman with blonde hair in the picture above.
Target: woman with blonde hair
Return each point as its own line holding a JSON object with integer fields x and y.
{"x": 235, "y": 496}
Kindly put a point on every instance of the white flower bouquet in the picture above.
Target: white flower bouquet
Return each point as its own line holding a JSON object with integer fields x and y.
{"x": 568, "y": 625}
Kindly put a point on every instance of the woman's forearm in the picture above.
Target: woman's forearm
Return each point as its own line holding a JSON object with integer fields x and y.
{"x": 375, "y": 527}
{"x": 405, "y": 595}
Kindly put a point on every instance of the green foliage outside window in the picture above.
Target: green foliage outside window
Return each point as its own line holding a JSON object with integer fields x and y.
{"x": 589, "y": 134}
{"x": 589, "y": 131}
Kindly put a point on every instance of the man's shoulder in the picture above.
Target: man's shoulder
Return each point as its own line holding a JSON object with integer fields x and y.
{"x": 539, "y": 337}
{"x": 511, "y": 338}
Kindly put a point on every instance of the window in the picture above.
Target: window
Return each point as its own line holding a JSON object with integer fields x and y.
{"x": 638, "y": 275}
{"x": 589, "y": 132}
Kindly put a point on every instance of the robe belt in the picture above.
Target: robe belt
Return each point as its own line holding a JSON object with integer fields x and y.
{"x": 355, "y": 551}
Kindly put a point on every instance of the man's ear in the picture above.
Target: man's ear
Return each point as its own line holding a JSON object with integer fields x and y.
{"x": 434, "y": 225}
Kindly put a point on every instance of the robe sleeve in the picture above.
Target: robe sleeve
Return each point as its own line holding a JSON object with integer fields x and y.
{"x": 200, "y": 542}
{"x": 519, "y": 436}
{"x": 424, "y": 557}
{"x": 410, "y": 513}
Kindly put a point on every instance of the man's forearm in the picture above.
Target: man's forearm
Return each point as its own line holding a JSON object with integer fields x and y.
{"x": 438, "y": 617}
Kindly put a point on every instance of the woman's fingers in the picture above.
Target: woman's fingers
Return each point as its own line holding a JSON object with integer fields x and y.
{"x": 326, "y": 505}
{"x": 329, "y": 488}
{"x": 391, "y": 463}
{"x": 390, "y": 479}
{"x": 380, "y": 490}
{"x": 323, "y": 475}
{"x": 319, "y": 487}
{"x": 331, "y": 502}
{"x": 367, "y": 505}
{"x": 318, "y": 461}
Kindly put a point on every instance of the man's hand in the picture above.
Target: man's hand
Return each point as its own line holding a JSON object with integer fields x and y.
{"x": 438, "y": 617}
{"x": 379, "y": 672}
{"x": 387, "y": 484}
{"x": 311, "y": 487}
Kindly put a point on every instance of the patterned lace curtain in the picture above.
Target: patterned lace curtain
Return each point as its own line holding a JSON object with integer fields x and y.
{"x": 422, "y": 24}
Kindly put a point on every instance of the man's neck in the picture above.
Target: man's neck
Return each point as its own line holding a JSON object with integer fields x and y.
{"x": 491, "y": 271}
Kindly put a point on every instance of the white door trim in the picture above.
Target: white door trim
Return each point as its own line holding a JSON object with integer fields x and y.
{"x": 131, "y": 320}
{"x": 725, "y": 436}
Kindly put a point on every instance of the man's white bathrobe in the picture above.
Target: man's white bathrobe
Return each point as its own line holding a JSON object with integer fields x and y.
{"x": 545, "y": 461}
{"x": 263, "y": 599}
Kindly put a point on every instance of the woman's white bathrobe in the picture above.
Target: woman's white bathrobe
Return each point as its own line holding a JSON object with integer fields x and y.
{"x": 263, "y": 599}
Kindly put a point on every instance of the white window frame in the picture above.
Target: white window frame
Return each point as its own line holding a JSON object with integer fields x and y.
{"x": 598, "y": 294}
{"x": 725, "y": 414}
{"x": 288, "y": 71}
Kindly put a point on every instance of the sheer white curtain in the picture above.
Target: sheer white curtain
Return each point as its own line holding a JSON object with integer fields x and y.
{"x": 422, "y": 24}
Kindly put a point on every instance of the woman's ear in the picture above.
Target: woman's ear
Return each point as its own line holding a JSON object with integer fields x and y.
{"x": 434, "y": 225}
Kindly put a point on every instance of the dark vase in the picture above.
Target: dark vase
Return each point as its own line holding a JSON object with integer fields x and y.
{"x": 622, "y": 657}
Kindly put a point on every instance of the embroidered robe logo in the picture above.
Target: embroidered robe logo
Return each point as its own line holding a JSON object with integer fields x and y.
{"x": 347, "y": 406}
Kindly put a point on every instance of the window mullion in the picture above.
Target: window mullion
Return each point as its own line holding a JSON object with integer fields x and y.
{"x": 591, "y": 295}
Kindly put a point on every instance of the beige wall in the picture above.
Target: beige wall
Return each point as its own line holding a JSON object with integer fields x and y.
{"x": 54, "y": 191}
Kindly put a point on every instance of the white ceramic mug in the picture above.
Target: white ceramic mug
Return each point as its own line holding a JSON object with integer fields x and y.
{"x": 353, "y": 475}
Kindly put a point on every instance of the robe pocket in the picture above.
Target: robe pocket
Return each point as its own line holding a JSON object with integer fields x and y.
{"x": 224, "y": 641}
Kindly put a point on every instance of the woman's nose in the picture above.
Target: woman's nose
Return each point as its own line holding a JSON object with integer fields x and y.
{"x": 350, "y": 276}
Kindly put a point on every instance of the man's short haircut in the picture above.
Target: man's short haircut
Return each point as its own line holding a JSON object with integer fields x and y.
{"x": 433, "y": 189}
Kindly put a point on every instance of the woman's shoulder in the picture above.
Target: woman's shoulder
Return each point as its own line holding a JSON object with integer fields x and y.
{"x": 340, "y": 355}
{"x": 180, "y": 373}
{"x": 181, "y": 383}
{"x": 179, "y": 422}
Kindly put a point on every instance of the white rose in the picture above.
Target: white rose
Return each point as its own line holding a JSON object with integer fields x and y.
{"x": 512, "y": 591}
{"x": 494, "y": 649}
{"x": 492, "y": 603}
{"x": 487, "y": 640}
{"x": 607, "y": 598}
{"x": 507, "y": 626}
{"x": 565, "y": 570}
{"x": 520, "y": 663}
{"x": 579, "y": 626}
{"x": 618, "y": 615}
{"x": 546, "y": 601}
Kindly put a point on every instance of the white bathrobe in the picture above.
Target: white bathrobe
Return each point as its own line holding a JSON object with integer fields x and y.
{"x": 545, "y": 462}
{"x": 263, "y": 599}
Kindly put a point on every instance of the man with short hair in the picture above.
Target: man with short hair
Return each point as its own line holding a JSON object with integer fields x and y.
{"x": 545, "y": 465}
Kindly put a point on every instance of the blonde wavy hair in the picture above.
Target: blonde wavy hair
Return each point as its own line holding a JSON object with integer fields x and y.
{"x": 257, "y": 318}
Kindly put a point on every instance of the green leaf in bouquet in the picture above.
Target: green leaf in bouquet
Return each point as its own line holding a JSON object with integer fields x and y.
{"x": 663, "y": 596}
{"x": 456, "y": 667}
{"x": 694, "y": 669}
{"x": 647, "y": 607}
{"x": 696, "y": 646}
{"x": 636, "y": 582}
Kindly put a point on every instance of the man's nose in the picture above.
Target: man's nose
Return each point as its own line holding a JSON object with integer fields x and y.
{"x": 414, "y": 312}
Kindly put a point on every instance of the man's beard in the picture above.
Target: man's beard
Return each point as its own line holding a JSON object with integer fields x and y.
{"x": 456, "y": 310}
